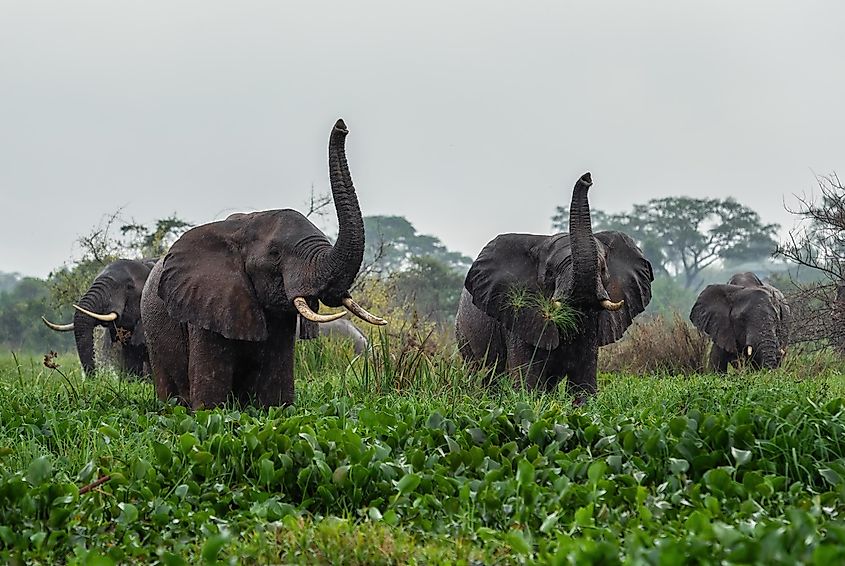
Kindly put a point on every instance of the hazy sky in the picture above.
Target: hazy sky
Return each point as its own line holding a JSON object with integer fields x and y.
{"x": 469, "y": 118}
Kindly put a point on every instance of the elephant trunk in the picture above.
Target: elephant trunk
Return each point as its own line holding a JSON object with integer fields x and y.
{"x": 96, "y": 300}
{"x": 764, "y": 350}
{"x": 338, "y": 269}
{"x": 585, "y": 253}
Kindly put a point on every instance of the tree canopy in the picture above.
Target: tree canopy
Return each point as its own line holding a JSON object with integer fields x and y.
{"x": 682, "y": 236}
{"x": 393, "y": 244}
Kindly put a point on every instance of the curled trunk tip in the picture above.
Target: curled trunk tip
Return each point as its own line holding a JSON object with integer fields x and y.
{"x": 340, "y": 126}
{"x": 586, "y": 179}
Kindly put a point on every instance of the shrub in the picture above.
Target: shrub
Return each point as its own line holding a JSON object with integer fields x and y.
{"x": 657, "y": 345}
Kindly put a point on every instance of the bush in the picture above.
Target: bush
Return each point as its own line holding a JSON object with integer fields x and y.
{"x": 660, "y": 344}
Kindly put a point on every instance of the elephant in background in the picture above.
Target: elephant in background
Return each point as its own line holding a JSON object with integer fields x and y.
{"x": 604, "y": 277}
{"x": 340, "y": 329}
{"x": 220, "y": 309}
{"x": 746, "y": 319}
{"x": 112, "y": 301}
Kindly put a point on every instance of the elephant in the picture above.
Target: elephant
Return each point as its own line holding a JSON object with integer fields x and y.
{"x": 746, "y": 319}
{"x": 220, "y": 308}
{"x": 340, "y": 329}
{"x": 603, "y": 277}
{"x": 113, "y": 301}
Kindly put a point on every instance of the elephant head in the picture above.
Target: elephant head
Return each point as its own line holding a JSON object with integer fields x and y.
{"x": 603, "y": 276}
{"x": 113, "y": 301}
{"x": 746, "y": 318}
{"x": 229, "y": 276}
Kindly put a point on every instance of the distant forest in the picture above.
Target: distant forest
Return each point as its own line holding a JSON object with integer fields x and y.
{"x": 690, "y": 242}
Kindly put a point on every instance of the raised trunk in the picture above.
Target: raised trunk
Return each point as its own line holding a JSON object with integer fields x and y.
{"x": 338, "y": 269}
{"x": 83, "y": 325}
{"x": 584, "y": 248}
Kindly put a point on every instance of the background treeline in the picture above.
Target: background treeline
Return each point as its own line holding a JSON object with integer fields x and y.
{"x": 417, "y": 280}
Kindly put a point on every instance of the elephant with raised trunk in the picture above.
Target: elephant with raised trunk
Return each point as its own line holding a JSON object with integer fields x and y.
{"x": 506, "y": 316}
{"x": 220, "y": 309}
{"x": 114, "y": 302}
{"x": 746, "y": 319}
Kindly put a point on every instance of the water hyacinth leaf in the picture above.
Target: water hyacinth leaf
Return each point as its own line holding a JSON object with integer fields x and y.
{"x": 408, "y": 483}
{"x": 518, "y": 543}
{"x": 39, "y": 470}
{"x": 741, "y": 457}
{"x": 163, "y": 454}
{"x": 678, "y": 466}
{"x": 524, "y": 473}
{"x": 212, "y": 547}
{"x": 830, "y": 476}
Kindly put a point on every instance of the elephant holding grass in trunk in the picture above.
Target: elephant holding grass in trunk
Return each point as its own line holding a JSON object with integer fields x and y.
{"x": 220, "y": 309}
{"x": 114, "y": 302}
{"x": 539, "y": 307}
{"x": 746, "y": 319}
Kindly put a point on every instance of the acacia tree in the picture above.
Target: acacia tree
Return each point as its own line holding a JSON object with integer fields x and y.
{"x": 392, "y": 244}
{"x": 683, "y": 236}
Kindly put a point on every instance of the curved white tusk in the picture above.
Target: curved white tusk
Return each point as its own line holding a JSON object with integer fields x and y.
{"x": 362, "y": 313}
{"x": 112, "y": 316}
{"x": 302, "y": 306}
{"x": 782, "y": 352}
{"x": 58, "y": 327}
{"x": 611, "y": 306}
{"x": 749, "y": 350}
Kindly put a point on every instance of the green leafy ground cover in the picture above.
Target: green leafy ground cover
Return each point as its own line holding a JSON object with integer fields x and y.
{"x": 405, "y": 459}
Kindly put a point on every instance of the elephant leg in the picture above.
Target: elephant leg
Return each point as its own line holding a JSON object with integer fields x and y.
{"x": 211, "y": 367}
{"x": 581, "y": 371}
{"x": 274, "y": 385}
{"x": 133, "y": 360}
{"x": 526, "y": 363}
{"x": 719, "y": 359}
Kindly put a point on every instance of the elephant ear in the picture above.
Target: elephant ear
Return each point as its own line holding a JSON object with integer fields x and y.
{"x": 504, "y": 283}
{"x": 203, "y": 282}
{"x": 629, "y": 279}
{"x": 711, "y": 314}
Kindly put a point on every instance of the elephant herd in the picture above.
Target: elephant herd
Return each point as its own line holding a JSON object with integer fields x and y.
{"x": 217, "y": 317}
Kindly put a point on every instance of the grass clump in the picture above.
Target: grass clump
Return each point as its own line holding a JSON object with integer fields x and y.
{"x": 559, "y": 313}
{"x": 658, "y": 345}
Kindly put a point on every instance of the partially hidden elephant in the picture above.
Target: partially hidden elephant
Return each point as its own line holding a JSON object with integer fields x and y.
{"x": 603, "y": 277}
{"x": 220, "y": 309}
{"x": 340, "y": 329}
{"x": 746, "y": 319}
{"x": 113, "y": 301}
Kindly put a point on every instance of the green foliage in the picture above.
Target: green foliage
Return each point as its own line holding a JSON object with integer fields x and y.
{"x": 431, "y": 287}
{"x": 682, "y": 236}
{"x": 392, "y": 243}
{"x": 696, "y": 469}
{"x": 668, "y": 296}
{"x": 21, "y": 309}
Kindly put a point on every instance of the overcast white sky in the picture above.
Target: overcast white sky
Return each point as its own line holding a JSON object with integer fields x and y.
{"x": 469, "y": 118}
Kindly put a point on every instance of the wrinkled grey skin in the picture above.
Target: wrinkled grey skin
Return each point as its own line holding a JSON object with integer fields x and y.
{"x": 744, "y": 312}
{"x": 218, "y": 308}
{"x": 579, "y": 268}
{"x": 341, "y": 329}
{"x": 117, "y": 288}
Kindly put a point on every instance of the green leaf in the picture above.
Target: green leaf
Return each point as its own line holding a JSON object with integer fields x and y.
{"x": 128, "y": 513}
{"x": 163, "y": 454}
{"x": 741, "y": 457}
{"x": 549, "y": 523}
{"x": 39, "y": 470}
{"x": 596, "y": 470}
{"x": 678, "y": 466}
{"x": 212, "y": 548}
{"x": 524, "y": 473}
{"x": 408, "y": 483}
{"x": 518, "y": 543}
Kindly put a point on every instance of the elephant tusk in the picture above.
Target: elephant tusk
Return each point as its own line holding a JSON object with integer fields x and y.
{"x": 749, "y": 350}
{"x": 111, "y": 317}
{"x": 782, "y": 352}
{"x": 362, "y": 313}
{"x": 302, "y": 306}
{"x": 58, "y": 327}
{"x": 611, "y": 306}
